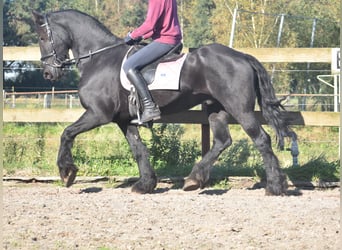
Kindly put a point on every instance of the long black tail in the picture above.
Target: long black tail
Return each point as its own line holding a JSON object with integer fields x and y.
{"x": 270, "y": 106}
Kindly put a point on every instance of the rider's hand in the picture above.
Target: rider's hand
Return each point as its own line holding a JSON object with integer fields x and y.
{"x": 130, "y": 41}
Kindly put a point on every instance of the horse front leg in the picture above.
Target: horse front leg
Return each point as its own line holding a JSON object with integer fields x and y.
{"x": 65, "y": 162}
{"x": 148, "y": 179}
{"x": 200, "y": 173}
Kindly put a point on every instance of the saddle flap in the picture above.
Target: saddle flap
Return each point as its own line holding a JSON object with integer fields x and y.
{"x": 163, "y": 74}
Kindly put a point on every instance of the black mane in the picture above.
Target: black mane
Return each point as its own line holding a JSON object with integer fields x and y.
{"x": 87, "y": 21}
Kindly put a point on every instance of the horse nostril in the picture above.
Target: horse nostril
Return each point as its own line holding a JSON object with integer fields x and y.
{"x": 47, "y": 75}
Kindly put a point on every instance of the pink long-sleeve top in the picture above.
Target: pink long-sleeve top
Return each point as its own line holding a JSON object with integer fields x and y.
{"x": 161, "y": 23}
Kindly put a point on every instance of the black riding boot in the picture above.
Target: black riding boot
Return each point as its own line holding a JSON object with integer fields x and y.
{"x": 150, "y": 109}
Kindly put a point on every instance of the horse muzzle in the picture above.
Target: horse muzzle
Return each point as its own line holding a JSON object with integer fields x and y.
{"x": 52, "y": 73}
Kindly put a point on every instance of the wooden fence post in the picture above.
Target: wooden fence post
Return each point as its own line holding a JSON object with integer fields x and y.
{"x": 13, "y": 98}
{"x": 205, "y": 130}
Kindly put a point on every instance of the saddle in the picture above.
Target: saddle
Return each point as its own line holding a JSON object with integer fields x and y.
{"x": 149, "y": 71}
{"x": 162, "y": 74}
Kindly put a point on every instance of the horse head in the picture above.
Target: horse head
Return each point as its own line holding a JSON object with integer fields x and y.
{"x": 53, "y": 45}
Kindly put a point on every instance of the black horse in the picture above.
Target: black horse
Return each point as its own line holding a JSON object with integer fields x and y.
{"x": 227, "y": 80}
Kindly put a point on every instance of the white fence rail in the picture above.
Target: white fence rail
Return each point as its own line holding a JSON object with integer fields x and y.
{"x": 69, "y": 99}
{"x": 46, "y": 99}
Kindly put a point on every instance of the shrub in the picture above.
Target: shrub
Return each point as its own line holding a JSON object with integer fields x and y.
{"x": 40, "y": 144}
{"x": 240, "y": 159}
{"x": 169, "y": 153}
{"x": 106, "y": 158}
{"x": 240, "y": 154}
{"x": 316, "y": 169}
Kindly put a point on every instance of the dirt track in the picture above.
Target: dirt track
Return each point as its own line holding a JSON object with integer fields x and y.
{"x": 45, "y": 216}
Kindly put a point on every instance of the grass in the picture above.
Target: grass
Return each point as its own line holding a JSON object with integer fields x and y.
{"x": 317, "y": 169}
{"x": 31, "y": 150}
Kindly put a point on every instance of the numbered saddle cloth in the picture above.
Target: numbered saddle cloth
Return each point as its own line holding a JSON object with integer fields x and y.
{"x": 163, "y": 74}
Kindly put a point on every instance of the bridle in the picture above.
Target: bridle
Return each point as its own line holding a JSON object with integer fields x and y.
{"x": 57, "y": 62}
{"x": 60, "y": 63}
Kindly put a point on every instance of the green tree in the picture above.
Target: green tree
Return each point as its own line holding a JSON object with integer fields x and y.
{"x": 198, "y": 27}
{"x": 221, "y": 22}
{"x": 134, "y": 15}
{"x": 202, "y": 22}
{"x": 258, "y": 22}
{"x": 18, "y": 16}
{"x": 10, "y": 35}
{"x": 110, "y": 14}
{"x": 18, "y": 22}
{"x": 327, "y": 22}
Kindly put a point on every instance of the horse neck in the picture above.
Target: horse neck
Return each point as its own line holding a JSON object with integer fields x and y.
{"x": 90, "y": 41}
{"x": 85, "y": 34}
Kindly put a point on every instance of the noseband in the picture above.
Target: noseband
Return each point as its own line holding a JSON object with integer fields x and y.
{"x": 57, "y": 62}
{"x": 60, "y": 63}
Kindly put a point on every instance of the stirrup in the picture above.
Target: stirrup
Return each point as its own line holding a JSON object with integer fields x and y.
{"x": 138, "y": 122}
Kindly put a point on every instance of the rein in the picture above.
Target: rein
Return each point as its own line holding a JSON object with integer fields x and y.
{"x": 58, "y": 63}
{"x": 90, "y": 54}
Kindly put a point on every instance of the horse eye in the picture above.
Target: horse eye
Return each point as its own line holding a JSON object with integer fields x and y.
{"x": 41, "y": 38}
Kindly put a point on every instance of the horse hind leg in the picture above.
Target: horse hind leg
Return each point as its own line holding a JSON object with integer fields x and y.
{"x": 200, "y": 173}
{"x": 276, "y": 182}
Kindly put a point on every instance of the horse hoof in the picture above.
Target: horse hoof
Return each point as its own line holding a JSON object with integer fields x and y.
{"x": 70, "y": 178}
{"x": 268, "y": 193}
{"x": 138, "y": 190}
{"x": 191, "y": 185}
{"x": 275, "y": 192}
{"x": 141, "y": 187}
{"x": 277, "y": 188}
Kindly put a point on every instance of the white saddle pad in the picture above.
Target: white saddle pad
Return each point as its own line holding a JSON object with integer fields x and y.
{"x": 166, "y": 77}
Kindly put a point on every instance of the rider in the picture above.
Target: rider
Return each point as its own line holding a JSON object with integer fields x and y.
{"x": 162, "y": 25}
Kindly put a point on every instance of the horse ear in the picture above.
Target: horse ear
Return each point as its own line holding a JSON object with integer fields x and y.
{"x": 38, "y": 17}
